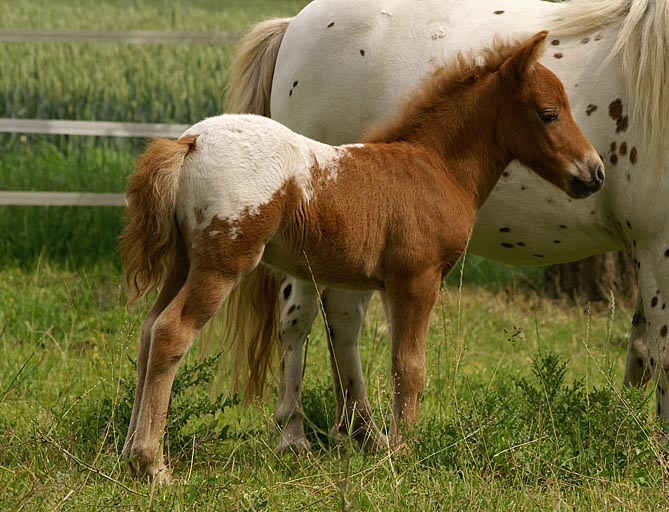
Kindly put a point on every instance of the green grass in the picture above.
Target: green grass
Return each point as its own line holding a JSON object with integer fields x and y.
{"x": 523, "y": 410}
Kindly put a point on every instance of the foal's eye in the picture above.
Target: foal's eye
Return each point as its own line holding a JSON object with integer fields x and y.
{"x": 548, "y": 115}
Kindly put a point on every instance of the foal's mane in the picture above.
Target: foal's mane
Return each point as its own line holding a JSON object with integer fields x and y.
{"x": 458, "y": 74}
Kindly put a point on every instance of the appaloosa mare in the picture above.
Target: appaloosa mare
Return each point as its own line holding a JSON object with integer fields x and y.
{"x": 341, "y": 65}
{"x": 239, "y": 193}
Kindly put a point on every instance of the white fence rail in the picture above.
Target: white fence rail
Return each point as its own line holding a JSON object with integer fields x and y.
{"x": 94, "y": 128}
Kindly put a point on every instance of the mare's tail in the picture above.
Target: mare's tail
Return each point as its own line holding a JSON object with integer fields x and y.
{"x": 251, "y": 312}
{"x": 252, "y": 70}
{"x": 148, "y": 243}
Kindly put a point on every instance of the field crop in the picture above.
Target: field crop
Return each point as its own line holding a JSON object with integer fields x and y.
{"x": 523, "y": 408}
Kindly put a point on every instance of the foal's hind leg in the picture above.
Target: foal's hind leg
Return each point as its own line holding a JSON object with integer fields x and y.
{"x": 172, "y": 285}
{"x": 172, "y": 333}
{"x": 409, "y": 301}
{"x": 344, "y": 312}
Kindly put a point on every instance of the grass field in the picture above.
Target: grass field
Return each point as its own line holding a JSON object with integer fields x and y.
{"x": 523, "y": 408}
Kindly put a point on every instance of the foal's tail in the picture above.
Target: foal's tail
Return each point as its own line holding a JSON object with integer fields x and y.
{"x": 252, "y": 70}
{"x": 149, "y": 239}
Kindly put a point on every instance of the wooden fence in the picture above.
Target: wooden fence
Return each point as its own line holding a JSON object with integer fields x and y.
{"x": 94, "y": 128}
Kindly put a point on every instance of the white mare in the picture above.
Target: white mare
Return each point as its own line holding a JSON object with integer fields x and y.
{"x": 340, "y": 66}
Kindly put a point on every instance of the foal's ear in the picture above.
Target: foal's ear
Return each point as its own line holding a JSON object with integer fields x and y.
{"x": 523, "y": 59}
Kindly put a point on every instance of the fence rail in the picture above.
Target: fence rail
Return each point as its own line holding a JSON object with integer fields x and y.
{"x": 94, "y": 128}
{"x": 60, "y": 199}
{"x": 109, "y": 36}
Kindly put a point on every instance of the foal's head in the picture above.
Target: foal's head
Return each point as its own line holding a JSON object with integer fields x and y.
{"x": 539, "y": 129}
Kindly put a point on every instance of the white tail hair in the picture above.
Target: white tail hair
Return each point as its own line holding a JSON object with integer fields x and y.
{"x": 643, "y": 48}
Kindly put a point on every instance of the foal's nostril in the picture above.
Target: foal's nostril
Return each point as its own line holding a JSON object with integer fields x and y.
{"x": 600, "y": 173}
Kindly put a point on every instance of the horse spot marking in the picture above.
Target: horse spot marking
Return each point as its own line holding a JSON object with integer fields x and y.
{"x": 590, "y": 109}
{"x": 616, "y": 109}
{"x": 557, "y": 241}
{"x": 294, "y": 322}
{"x": 523, "y": 187}
{"x": 634, "y": 243}
{"x": 499, "y": 12}
{"x": 666, "y": 253}
{"x": 362, "y": 52}
{"x": 629, "y": 178}
{"x": 295, "y": 83}
{"x": 297, "y": 388}
{"x": 520, "y": 244}
{"x": 555, "y": 42}
{"x": 506, "y": 174}
{"x": 504, "y": 230}
{"x": 507, "y": 245}
{"x": 664, "y": 305}
{"x": 562, "y": 226}
{"x": 331, "y": 24}
{"x": 653, "y": 302}
{"x": 652, "y": 361}
{"x": 287, "y": 290}
{"x": 613, "y": 146}
{"x": 538, "y": 255}
{"x": 663, "y": 331}
{"x": 598, "y": 37}
{"x": 290, "y": 348}
{"x": 291, "y": 309}
{"x": 557, "y": 55}
{"x": 585, "y": 40}
{"x": 639, "y": 362}
{"x": 629, "y": 225}
{"x": 623, "y": 149}
{"x": 633, "y": 154}
{"x": 613, "y": 158}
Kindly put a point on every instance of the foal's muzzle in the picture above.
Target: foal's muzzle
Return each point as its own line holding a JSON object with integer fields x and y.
{"x": 588, "y": 181}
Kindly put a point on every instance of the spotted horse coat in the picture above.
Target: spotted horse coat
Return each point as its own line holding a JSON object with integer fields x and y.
{"x": 340, "y": 66}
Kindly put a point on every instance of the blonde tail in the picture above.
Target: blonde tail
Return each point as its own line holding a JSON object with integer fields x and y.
{"x": 251, "y": 72}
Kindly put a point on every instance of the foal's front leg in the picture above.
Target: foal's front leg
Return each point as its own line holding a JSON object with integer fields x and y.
{"x": 409, "y": 301}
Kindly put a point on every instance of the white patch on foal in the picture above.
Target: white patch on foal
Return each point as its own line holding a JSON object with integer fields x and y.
{"x": 241, "y": 162}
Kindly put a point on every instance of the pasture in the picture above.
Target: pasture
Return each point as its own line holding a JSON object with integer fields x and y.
{"x": 523, "y": 409}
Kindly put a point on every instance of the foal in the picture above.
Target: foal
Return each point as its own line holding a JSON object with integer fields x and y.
{"x": 393, "y": 214}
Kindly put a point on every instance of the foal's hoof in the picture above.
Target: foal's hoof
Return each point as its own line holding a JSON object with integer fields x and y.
{"x": 298, "y": 446}
{"x": 142, "y": 467}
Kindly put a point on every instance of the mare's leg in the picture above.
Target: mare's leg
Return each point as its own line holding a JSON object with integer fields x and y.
{"x": 344, "y": 312}
{"x": 172, "y": 285}
{"x": 409, "y": 301}
{"x": 299, "y": 306}
{"x": 653, "y": 272}
{"x": 637, "y": 364}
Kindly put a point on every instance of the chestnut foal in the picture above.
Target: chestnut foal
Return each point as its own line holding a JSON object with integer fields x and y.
{"x": 237, "y": 193}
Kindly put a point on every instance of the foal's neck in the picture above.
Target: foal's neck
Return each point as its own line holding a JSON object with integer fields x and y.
{"x": 465, "y": 128}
